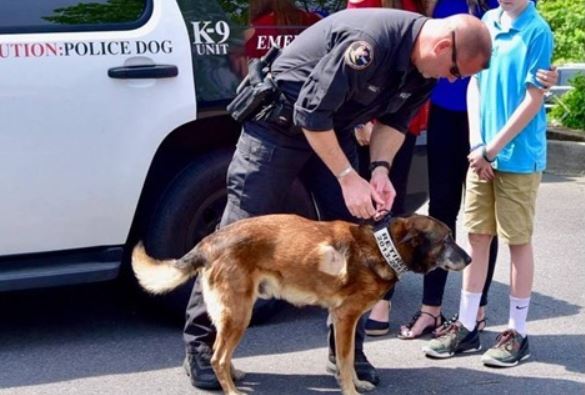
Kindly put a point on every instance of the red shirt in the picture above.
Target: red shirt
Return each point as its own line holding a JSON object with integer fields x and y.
{"x": 410, "y": 5}
{"x": 267, "y": 33}
{"x": 364, "y": 4}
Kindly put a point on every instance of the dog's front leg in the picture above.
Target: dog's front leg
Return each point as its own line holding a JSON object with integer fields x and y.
{"x": 345, "y": 326}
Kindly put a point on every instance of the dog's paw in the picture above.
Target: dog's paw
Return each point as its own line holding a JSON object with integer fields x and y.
{"x": 363, "y": 385}
{"x": 237, "y": 374}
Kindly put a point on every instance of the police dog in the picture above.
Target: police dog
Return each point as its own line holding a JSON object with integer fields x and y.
{"x": 338, "y": 265}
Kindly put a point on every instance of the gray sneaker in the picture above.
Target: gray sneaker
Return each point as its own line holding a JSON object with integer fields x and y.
{"x": 455, "y": 340}
{"x": 510, "y": 349}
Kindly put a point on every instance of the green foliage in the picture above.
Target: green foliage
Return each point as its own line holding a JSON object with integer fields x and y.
{"x": 567, "y": 21}
{"x": 114, "y": 11}
{"x": 570, "y": 110}
{"x": 237, "y": 10}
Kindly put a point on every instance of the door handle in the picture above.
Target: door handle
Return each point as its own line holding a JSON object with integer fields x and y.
{"x": 144, "y": 71}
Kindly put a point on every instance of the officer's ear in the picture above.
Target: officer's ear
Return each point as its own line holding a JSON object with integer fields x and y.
{"x": 442, "y": 46}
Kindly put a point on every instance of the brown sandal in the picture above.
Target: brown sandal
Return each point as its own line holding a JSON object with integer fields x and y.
{"x": 405, "y": 331}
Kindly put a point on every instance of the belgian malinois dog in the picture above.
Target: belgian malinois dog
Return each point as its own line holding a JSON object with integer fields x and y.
{"x": 339, "y": 265}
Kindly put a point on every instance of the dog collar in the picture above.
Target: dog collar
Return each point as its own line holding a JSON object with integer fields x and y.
{"x": 387, "y": 247}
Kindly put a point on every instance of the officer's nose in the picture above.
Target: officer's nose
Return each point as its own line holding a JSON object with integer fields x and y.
{"x": 451, "y": 78}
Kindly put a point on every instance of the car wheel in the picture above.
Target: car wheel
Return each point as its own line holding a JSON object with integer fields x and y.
{"x": 190, "y": 209}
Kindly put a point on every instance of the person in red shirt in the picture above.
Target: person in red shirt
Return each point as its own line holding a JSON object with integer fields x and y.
{"x": 274, "y": 22}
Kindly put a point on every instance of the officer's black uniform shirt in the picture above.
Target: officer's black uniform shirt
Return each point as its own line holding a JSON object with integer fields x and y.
{"x": 354, "y": 66}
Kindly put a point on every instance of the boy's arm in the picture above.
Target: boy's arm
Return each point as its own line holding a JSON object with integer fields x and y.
{"x": 473, "y": 100}
{"x": 529, "y": 107}
{"x": 476, "y": 161}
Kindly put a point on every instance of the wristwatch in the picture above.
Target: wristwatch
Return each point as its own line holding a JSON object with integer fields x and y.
{"x": 380, "y": 163}
{"x": 485, "y": 155}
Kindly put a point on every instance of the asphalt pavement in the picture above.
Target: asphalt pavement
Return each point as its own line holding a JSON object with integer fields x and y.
{"x": 98, "y": 340}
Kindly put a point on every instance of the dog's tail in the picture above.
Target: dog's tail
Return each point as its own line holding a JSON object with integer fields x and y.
{"x": 162, "y": 276}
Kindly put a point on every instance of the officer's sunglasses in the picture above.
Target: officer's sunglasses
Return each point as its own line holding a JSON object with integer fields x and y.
{"x": 454, "y": 69}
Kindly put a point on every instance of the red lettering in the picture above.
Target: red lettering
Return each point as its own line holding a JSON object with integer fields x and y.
{"x": 37, "y": 50}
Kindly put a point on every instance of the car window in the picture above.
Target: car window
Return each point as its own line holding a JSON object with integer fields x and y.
{"x": 28, "y": 16}
{"x": 223, "y": 40}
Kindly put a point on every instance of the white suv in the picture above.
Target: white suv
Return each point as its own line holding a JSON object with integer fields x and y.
{"x": 113, "y": 129}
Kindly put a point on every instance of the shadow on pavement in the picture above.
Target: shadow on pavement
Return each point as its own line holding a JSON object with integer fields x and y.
{"x": 410, "y": 381}
{"x": 62, "y": 334}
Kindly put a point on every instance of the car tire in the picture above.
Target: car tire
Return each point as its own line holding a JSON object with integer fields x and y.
{"x": 190, "y": 209}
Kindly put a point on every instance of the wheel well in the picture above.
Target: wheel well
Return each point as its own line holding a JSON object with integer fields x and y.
{"x": 177, "y": 150}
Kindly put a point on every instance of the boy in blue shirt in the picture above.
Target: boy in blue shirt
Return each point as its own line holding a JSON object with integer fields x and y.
{"x": 508, "y": 154}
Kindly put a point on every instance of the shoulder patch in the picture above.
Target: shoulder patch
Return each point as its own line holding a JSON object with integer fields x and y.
{"x": 359, "y": 55}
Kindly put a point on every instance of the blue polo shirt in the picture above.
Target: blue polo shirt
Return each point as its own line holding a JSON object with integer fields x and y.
{"x": 518, "y": 52}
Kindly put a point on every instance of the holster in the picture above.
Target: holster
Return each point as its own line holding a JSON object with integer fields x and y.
{"x": 257, "y": 90}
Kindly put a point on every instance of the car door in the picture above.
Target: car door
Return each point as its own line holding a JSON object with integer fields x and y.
{"x": 88, "y": 90}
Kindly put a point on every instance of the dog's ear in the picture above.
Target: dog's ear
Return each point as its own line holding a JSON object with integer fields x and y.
{"x": 411, "y": 237}
{"x": 408, "y": 234}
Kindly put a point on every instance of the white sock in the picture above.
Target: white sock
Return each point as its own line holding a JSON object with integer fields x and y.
{"x": 518, "y": 314}
{"x": 468, "y": 307}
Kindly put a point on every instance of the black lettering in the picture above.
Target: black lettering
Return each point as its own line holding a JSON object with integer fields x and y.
{"x": 153, "y": 47}
{"x": 141, "y": 47}
{"x": 125, "y": 48}
{"x": 92, "y": 49}
{"x": 67, "y": 47}
{"x": 110, "y": 50}
{"x": 81, "y": 49}
{"x": 167, "y": 46}
{"x": 52, "y": 49}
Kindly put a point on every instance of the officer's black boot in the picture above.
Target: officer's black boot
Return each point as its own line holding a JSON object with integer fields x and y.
{"x": 363, "y": 368}
{"x": 198, "y": 368}
{"x": 199, "y": 336}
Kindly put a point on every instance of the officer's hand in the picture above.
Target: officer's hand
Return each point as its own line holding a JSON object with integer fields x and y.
{"x": 358, "y": 195}
{"x": 548, "y": 78}
{"x": 384, "y": 188}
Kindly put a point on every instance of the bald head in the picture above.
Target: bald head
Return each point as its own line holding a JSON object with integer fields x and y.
{"x": 473, "y": 39}
{"x": 459, "y": 45}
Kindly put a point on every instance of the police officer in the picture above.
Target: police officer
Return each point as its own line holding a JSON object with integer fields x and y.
{"x": 345, "y": 70}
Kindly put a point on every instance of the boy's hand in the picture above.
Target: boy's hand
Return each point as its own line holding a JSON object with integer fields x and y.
{"x": 480, "y": 166}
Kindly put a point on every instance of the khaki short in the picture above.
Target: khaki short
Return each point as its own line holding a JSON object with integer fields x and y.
{"x": 503, "y": 206}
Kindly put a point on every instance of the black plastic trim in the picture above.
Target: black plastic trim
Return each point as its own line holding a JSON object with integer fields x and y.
{"x": 144, "y": 71}
{"x": 60, "y": 268}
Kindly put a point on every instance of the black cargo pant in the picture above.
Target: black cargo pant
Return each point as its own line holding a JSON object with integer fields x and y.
{"x": 448, "y": 147}
{"x": 265, "y": 164}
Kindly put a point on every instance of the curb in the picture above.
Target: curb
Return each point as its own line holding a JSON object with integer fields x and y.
{"x": 566, "y": 158}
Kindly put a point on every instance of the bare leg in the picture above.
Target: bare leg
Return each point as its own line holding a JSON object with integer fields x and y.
{"x": 522, "y": 270}
{"x": 474, "y": 275}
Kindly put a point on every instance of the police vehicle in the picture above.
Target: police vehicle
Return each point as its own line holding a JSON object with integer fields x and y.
{"x": 114, "y": 129}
